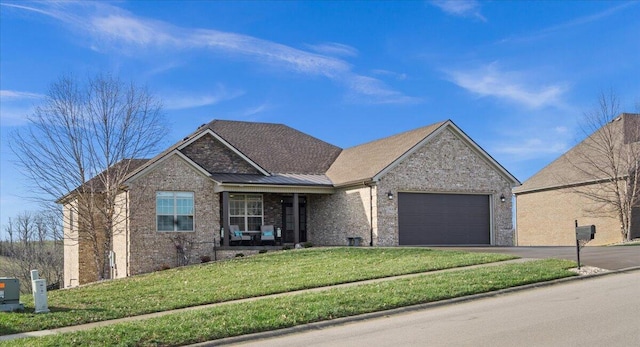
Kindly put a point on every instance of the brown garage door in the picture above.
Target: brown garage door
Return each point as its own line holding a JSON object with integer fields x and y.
{"x": 443, "y": 219}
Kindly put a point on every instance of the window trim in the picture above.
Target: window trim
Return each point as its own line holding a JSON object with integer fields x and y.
{"x": 246, "y": 214}
{"x": 175, "y": 195}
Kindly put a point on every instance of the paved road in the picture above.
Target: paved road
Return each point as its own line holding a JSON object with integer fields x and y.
{"x": 601, "y": 311}
{"x": 610, "y": 258}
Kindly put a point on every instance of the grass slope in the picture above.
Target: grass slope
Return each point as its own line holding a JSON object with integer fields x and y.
{"x": 239, "y": 278}
{"x": 287, "y": 311}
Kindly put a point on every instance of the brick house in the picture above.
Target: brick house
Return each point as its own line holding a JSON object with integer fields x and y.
{"x": 549, "y": 203}
{"x": 428, "y": 186}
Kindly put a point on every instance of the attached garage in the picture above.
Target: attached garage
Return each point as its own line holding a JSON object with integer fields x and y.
{"x": 444, "y": 219}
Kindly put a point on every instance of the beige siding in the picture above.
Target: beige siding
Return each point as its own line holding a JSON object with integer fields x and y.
{"x": 151, "y": 250}
{"x": 71, "y": 248}
{"x": 120, "y": 236}
{"x": 547, "y": 218}
{"x": 446, "y": 164}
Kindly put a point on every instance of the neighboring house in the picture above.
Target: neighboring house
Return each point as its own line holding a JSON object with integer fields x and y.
{"x": 549, "y": 203}
{"x": 428, "y": 186}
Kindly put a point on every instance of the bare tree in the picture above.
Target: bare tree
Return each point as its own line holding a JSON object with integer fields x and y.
{"x": 35, "y": 242}
{"x": 80, "y": 145}
{"x": 606, "y": 164}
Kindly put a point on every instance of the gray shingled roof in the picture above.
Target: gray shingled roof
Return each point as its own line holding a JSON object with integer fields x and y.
{"x": 365, "y": 161}
{"x": 295, "y": 158}
{"x": 277, "y": 148}
{"x": 580, "y": 164}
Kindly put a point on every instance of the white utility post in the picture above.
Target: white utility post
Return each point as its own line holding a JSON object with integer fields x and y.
{"x": 39, "y": 287}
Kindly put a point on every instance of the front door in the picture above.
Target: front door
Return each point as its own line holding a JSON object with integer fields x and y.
{"x": 287, "y": 220}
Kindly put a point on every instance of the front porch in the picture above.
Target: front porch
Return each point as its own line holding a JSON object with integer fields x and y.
{"x": 262, "y": 221}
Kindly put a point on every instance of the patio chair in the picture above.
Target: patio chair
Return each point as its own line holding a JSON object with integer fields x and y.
{"x": 235, "y": 235}
{"x": 267, "y": 234}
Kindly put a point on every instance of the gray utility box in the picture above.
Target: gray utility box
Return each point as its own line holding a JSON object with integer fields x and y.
{"x": 10, "y": 295}
{"x": 585, "y": 233}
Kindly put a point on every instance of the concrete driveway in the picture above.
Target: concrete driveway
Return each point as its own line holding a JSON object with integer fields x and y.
{"x": 610, "y": 258}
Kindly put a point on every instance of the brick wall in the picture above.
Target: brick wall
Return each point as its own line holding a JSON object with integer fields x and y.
{"x": 272, "y": 210}
{"x": 445, "y": 164}
{"x": 346, "y": 213}
{"x": 151, "y": 250}
{"x": 548, "y": 219}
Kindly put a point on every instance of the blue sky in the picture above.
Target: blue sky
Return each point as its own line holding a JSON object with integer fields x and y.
{"x": 515, "y": 76}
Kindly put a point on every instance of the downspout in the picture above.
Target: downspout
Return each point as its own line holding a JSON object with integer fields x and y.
{"x": 515, "y": 219}
{"x": 128, "y": 240}
{"x": 371, "y": 215}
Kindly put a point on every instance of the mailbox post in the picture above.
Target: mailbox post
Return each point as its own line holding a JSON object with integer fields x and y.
{"x": 584, "y": 234}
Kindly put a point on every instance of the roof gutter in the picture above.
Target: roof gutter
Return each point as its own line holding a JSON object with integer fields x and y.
{"x": 271, "y": 188}
{"x": 357, "y": 183}
{"x": 565, "y": 186}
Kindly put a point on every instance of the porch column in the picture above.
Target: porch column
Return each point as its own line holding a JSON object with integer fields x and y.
{"x": 225, "y": 217}
{"x": 296, "y": 219}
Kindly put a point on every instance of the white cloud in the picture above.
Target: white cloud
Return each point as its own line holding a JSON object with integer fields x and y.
{"x": 186, "y": 101}
{"x": 15, "y": 106}
{"x": 117, "y": 31}
{"x": 16, "y": 95}
{"x": 397, "y": 76}
{"x": 460, "y": 8}
{"x": 14, "y": 115}
{"x": 377, "y": 92}
{"x": 538, "y": 147}
{"x": 128, "y": 29}
{"x": 335, "y": 49}
{"x": 257, "y": 109}
{"x": 565, "y": 26}
{"x": 517, "y": 87}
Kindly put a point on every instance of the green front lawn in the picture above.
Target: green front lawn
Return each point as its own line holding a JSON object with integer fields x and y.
{"x": 287, "y": 311}
{"x": 239, "y": 278}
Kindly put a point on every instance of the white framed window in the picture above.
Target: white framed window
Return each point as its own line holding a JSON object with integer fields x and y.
{"x": 245, "y": 211}
{"x": 174, "y": 211}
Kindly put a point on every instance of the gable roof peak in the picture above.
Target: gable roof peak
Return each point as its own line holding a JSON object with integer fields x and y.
{"x": 576, "y": 165}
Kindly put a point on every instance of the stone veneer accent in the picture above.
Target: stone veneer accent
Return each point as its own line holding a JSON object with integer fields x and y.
{"x": 547, "y": 218}
{"x": 213, "y": 156}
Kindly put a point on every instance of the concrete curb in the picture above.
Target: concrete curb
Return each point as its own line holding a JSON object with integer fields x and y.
{"x": 400, "y": 310}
